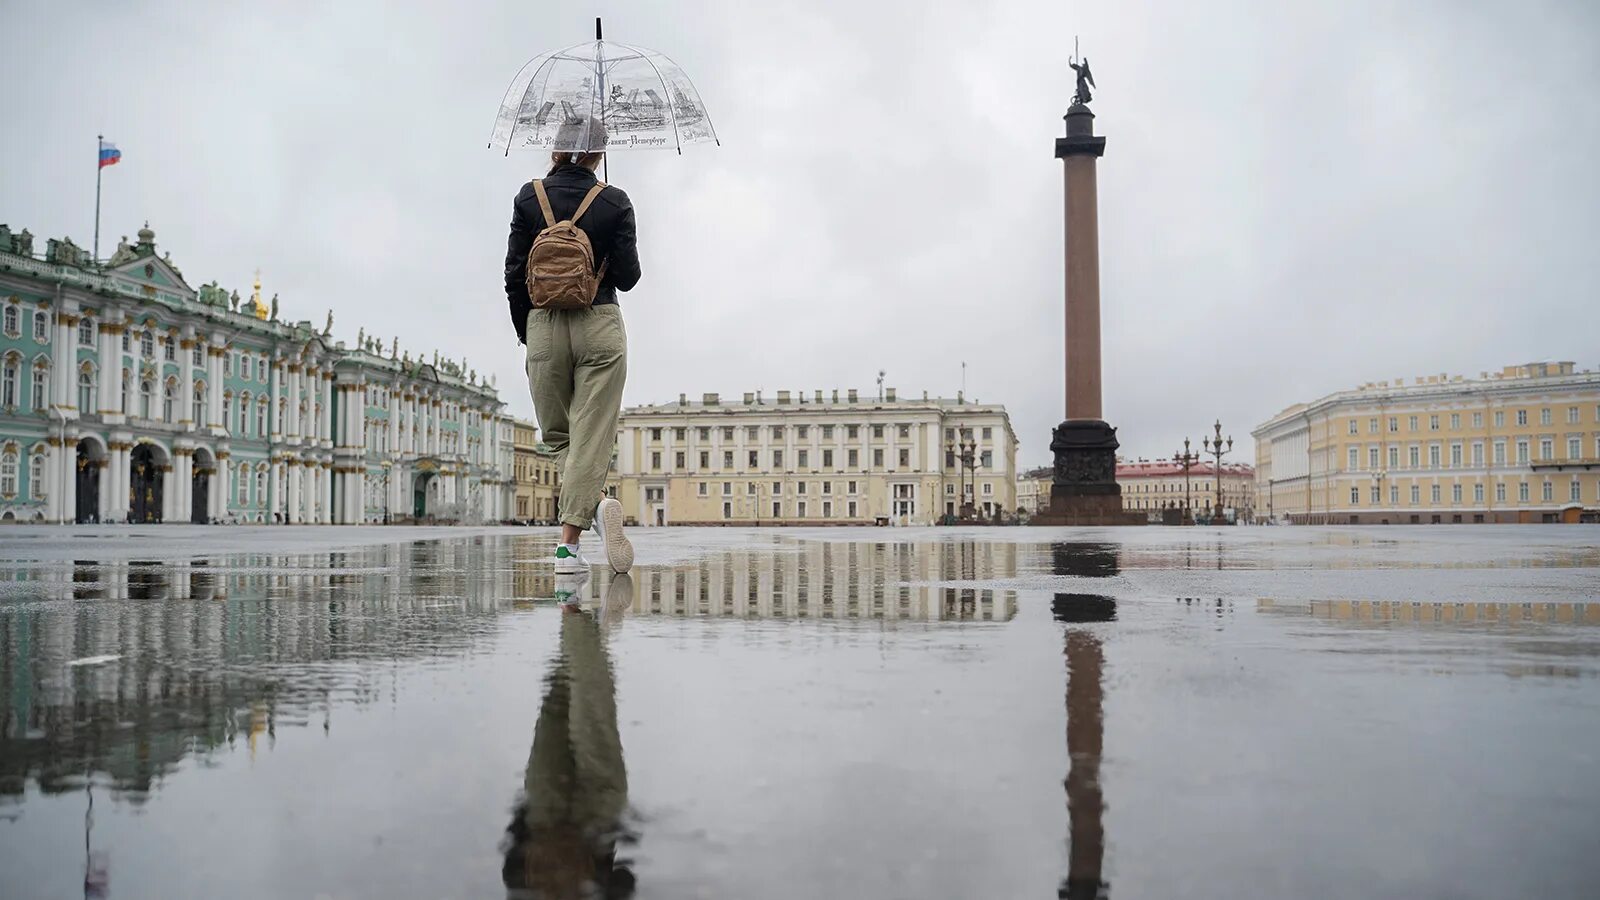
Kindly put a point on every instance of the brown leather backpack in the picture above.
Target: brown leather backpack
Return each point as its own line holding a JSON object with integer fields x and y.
{"x": 561, "y": 271}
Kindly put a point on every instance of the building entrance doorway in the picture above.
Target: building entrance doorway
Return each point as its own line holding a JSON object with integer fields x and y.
{"x": 144, "y": 486}
{"x": 200, "y": 495}
{"x": 419, "y": 495}
{"x": 88, "y": 484}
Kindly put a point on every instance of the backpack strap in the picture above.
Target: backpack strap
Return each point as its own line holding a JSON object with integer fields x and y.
{"x": 588, "y": 199}
{"x": 544, "y": 203}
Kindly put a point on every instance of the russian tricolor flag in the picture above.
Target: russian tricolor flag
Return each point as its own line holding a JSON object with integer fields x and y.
{"x": 109, "y": 154}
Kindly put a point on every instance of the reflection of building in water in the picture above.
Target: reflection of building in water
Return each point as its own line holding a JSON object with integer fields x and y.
{"x": 821, "y": 580}
{"x": 1546, "y": 612}
{"x": 224, "y": 658}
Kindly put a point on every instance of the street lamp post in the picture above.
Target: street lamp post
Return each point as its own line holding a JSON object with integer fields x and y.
{"x": 1214, "y": 447}
{"x": 1187, "y": 460}
{"x": 965, "y": 453}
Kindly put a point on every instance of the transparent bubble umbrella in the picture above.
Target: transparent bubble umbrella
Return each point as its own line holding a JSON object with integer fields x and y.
{"x": 642, "y": 99}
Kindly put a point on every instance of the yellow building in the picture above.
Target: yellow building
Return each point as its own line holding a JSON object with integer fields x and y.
{"x": 795, "y": 459}
{"x": 1033, "y": 489}
{"x": 1150, "y": 486}
{"x": 538, "y": 477}
{"x": 1522, "y": 445}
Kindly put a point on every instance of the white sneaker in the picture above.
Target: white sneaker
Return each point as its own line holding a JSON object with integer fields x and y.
{"x": 608, "y": 525}
{"x": 569, "y": 561}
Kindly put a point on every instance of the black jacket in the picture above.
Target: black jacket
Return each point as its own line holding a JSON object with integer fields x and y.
{"x": 608, "y": 224}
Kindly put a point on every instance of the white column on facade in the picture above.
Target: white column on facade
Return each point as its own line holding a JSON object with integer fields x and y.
{"x": 324, "y": 495}
{"x": 275, "y": 394}
{"x": 325, "y": 427}
{"x": 111, "y": 370}
{"x": 62, "y": 354}
{"x": 52, "y": 481}
{"x": 310, "y": 493}
{"x": 394, "y": 421}
{"x": 103, "y": 501}
{"x": 186, "y": 384}
{"x": 106, "y": 358}
{"x": 274, "y": 489}
{"x": 214, "y": 381}
{"x": 290, "y": 395}
{"x": 291, "y": 504}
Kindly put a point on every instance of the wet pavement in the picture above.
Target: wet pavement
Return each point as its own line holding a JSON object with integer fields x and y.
{"x": 1272, "y": 712}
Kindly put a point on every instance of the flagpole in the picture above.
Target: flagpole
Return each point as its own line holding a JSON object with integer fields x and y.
{"x": 100, "y": 140}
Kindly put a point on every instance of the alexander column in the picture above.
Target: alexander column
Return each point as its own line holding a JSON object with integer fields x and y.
{"x": 1084, "y": 488}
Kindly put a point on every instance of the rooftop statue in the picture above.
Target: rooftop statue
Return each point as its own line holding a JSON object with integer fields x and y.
{"x": 328, "y": 328}
{"x": 233, "y": 301}
{"x": 274, "y": 307}
{"x": 1085, "y": 81}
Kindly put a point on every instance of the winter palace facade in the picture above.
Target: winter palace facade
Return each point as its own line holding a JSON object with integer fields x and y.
{"x": 128, "y": 396}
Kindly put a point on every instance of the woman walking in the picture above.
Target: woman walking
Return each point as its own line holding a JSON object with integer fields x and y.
{"x": 572, "y": 248}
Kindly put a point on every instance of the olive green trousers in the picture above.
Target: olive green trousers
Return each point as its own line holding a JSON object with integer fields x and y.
{"x": 577, "y": 364}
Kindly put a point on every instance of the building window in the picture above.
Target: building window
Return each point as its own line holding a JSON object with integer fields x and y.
{"x": 827, "y": 509}
{"x": 802, "y": 459}
{"x": 988, "y": 489}
{"x": 1522, "y": 417}
{"x": 147, "y": 397}
{"x": 1547, "y": 448}
{"x": 1394, "y": 457}
{"x": 1372, "y": 457}
{"x": 777, "y": 509}
{"x": 1572, "y": 415}
{"x": 727, "y": 510}
{"x": 802, "y": 432}
{"x": 727, "y": 433}
{"x": 1416, "y": 494}
{"x": 169, "y": 349}
{"x": 800, "y": 509}
{"x": 1355, "y": 496}
{"x": 1433, "y": 423}
{"x": 36, "y": 485}
{"x": 86, "y": 332}
{"x": 1547, "y": 491}
{"x": 850, "y": 509}
{"x": 852, "y": 458}
{"x": 705, "y": 460}
{"x": 827, "y": 487}
{"x": 800, "y": 488}
{"x": 727, "y": 459}
{"x": 1499, "y": 453}
{"x": 41, "y": 327}
{"x": 1353, "y": 427}
{"x": 8, "y": 468}
{"x": 1415, "y": 456}
{"x": 1477, "y": 420}
{"x": 1500, "y": 492}
{"x": 678, "y": 459}
{"x": 1375, "y": 495}
{"x": 827, "y": 432}
{"x": 777, "y": 432}
{"x": 261, "y": 418}
{"x": 1544, "y": 416}
{"x": 852, "y": 488}
{"x": 680, "y": 433}
{"x": 86, "y": 404}
{"x": 877, "y": 457}
{"x": 1522, "y": 492}
{"x": 1574, "y": 448}
{"x": 169, "y": 397}
{"x": 703, "y": 433}
{"x": 1522, "y": 452}
{"x": 1455, "y": 421}
{"x": 147, "y": 345}
{"x": 1574, "y": 490}
{"x": 1353, "y": 456}
{"x": 1411, "y": 423}
{"x": 750, "y": 489}
{"x": 1433, "y": 494}
{"x": 40, "y": 386}
{"x": 877, "y": 432}
{"x": 655, "y": 460}
{"x": 1477, "y": 493}
{"x": 1455, "y": 456}
{"x": 1433, "y": 456}
{"x": 1477, "y": 455}
{"x": 755, "y": 459}
{"x": 655, "y": 434}
{"x": 1394, "y": 424}
{"x": 777, "y": 459}
{"x": 703, "y": 489}
{"x": 13, "y": 323}
{"x": 727, "y": 489}
{"x": 852, "y": 432}
{"x": 827, "y": 459}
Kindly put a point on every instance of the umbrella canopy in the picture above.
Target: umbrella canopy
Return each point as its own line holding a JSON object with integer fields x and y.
{"x": 641, "y": 99}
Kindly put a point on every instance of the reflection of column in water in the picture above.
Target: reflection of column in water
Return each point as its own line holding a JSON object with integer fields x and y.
{"x": 1085, "y": 739}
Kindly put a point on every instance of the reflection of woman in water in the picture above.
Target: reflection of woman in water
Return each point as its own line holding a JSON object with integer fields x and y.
{"x": 562, "y": 840}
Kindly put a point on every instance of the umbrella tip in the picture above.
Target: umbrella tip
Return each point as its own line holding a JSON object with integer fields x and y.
{"x": 597, "y": 28}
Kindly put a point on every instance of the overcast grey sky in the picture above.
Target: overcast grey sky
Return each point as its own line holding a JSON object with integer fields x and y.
{"x": 1295, "y": 197}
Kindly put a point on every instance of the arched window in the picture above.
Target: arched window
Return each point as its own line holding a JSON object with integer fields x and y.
{"x": 170, "y": 348}
{"x": 13, "y": 327}
{"x": 261, "y": 485}
{"x": 9, "y": 388}
{"x": 86, "y": 331}
{"x": 8, "y": 471}
{"x": 169, "y": 401}
{"x": 261, "y": 418}
{"x": 86, "y": 404}
{"x": 147, "y": 397}
{"x": 244, "y": 415}
{"x": 147, "y": 345}
{"x": 41, "y": 386}
{"x": 199, "y": 415}
{"x": 227, "y": 408}
{"x": 36, "y": 485}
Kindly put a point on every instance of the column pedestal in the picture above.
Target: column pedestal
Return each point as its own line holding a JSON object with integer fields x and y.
{"x": 1084, "y": 489}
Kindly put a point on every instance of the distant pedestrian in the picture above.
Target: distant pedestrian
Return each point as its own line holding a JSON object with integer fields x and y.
{"x": 572, "y": 248}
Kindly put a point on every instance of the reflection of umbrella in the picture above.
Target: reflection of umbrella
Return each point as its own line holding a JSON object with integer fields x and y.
{"x": 625, "y": 88}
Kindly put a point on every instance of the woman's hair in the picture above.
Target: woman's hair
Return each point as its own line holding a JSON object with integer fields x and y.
{"x": 590, "y": 161}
